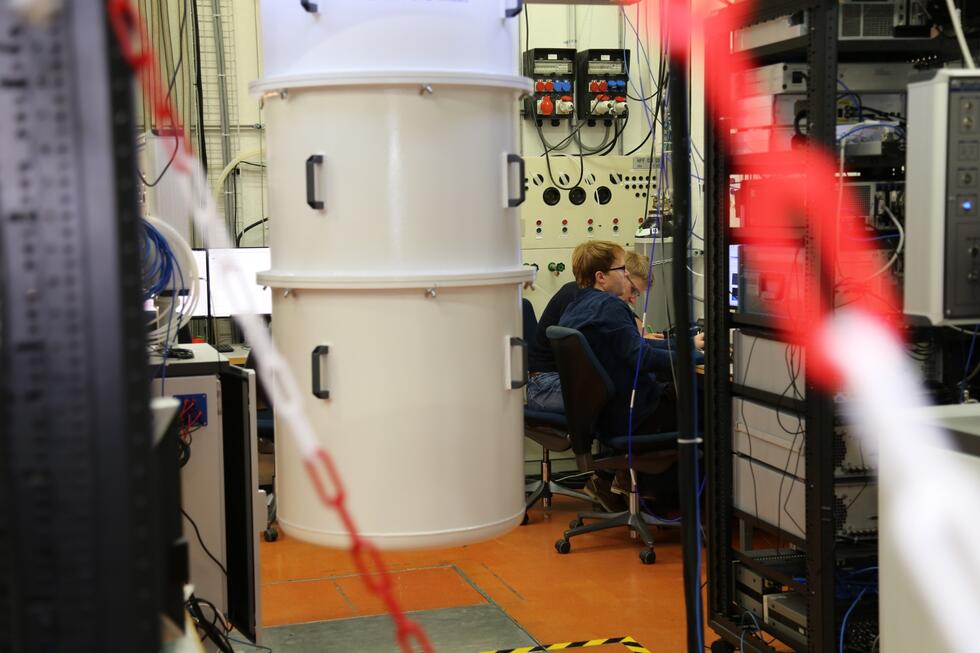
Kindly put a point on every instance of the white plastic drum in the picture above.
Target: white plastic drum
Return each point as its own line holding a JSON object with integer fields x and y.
{"x": 395, "y": 179}
{"x": 364, "y": 37}
{"x": 422, "y": 417}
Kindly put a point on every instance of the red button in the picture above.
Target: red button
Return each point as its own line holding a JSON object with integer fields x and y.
{"x": 615, "y": 220}
{"x": 564, "y": 221}
{"x": 593, "y": 86}
{"x": 590, "y": 220}
{"x": 539, "y": 87}
{"x": 539, "y": 223}
{"x": 603, "y": 86}
{"x": 549, "y": 86}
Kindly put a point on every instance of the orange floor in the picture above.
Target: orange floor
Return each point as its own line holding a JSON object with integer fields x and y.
{"x": 598, "y": 590}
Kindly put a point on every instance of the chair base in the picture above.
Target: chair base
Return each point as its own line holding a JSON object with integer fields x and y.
{"x": 637, "y": 522}
{"x": 545, "y": 489}
{"x": 543, "y": 492}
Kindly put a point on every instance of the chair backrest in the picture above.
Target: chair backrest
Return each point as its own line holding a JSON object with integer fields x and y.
{"x": 530, "y": 321}
{"x": 585, "y": 386}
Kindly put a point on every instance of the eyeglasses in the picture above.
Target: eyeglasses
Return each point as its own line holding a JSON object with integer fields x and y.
{"x": 621, "y": 267}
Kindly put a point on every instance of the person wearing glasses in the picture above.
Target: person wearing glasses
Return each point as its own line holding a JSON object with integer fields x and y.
{"x": 544, "y": 387}
{"x": 638, "y": 266}
{"x": 610, "y": 327}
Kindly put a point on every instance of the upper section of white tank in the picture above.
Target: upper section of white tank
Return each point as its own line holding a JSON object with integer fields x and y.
{"x": 346, "y": 37}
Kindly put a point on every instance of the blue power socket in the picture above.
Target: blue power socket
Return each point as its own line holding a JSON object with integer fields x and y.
{"x": 194, "y": 408}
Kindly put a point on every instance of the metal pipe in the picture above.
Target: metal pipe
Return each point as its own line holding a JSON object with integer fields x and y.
{"x": 686, "y": 401}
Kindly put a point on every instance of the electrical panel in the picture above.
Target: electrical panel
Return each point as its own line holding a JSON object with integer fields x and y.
{"x": 552, "y": 70}
{"x": 602, "y": 77}
{"x": 571, "y": 199}
{"x": 595, "y": 197}
{"x": 942, "y": 280}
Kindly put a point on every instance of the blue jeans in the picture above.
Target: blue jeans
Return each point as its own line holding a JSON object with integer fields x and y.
{"x": 544, "y": 393}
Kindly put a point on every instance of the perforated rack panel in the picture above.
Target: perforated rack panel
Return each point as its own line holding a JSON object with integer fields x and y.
{"x": 77, "y": 564}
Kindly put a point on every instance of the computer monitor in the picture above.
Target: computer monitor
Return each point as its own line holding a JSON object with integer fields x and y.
{"x": 733, "y": 251}
{"x": 225, "y": 300}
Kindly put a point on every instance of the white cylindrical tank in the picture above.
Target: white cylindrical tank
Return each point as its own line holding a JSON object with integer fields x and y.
{"x": 396, "y": 272}
{"x": 410, "y": 181}
{"x": 364, "y": 39}
{"x": 421, "y": 418}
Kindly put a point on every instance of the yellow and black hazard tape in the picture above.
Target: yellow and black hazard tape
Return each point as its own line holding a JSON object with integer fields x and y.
{"x": 630, "y": 644}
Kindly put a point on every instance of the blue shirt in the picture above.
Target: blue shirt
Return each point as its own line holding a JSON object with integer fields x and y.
{"x": 609, "y": 326}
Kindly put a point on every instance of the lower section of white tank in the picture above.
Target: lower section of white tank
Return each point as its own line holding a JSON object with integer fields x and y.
{"x": 415, "y": 540}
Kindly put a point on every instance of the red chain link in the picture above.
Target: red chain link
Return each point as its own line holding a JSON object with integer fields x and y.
{"x": 135, "y": 45}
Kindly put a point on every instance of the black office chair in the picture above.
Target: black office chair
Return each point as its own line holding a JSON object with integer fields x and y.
{"x": 548, "y": 429}
{"x": 586, "y": 387}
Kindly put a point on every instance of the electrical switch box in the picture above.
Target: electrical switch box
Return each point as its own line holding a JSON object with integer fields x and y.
{"x": 552, "y": 70}
{"x": 602, "y": 77}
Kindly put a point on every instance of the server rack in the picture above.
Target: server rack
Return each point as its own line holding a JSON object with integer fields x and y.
{"x": 821, "y": 49}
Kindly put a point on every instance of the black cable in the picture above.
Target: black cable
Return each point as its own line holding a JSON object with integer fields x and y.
{"x": 166, "y": 167}
{"x": 794, "y": 372}
{"x": 180, "y": 50}
{"x": 547, "y": 159}
{"x": 745, "y": 422}
{"x": 252, "y": 163}
{"x": 798, "y": 121}
{"x": 527, "y": 30}
{"x": 616, "y": 136}
{"x": 202, "y": 140}
{"x": 203, "y": 545}
{"x": 211, "y": 629}
{"x": 563, "y": 143}
{"x": 238, "y": 237}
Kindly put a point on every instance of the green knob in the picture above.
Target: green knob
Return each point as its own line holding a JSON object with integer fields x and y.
{"x": 552, "y": 267}
{"x": 561, "y": 267}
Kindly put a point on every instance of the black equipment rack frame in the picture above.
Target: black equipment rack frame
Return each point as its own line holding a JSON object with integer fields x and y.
{"x": 821, "y": 50}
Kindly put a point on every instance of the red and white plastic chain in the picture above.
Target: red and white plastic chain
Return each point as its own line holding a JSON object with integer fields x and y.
{"x": 130, "y": 32}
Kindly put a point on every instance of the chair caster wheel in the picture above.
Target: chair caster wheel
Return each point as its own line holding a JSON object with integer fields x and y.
{"x": 648, "y": 556}
{"x": 721, "y": 646}
{"x": 271, "y": 534}
{"x": 575, "y": 523}
{"x": 525, "y": 520}
{"x": 563, "y": 546}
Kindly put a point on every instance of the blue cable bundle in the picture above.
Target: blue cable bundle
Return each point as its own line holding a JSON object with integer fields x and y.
{"x": 158, "y": 262}
{"x": 161, "y": 274}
